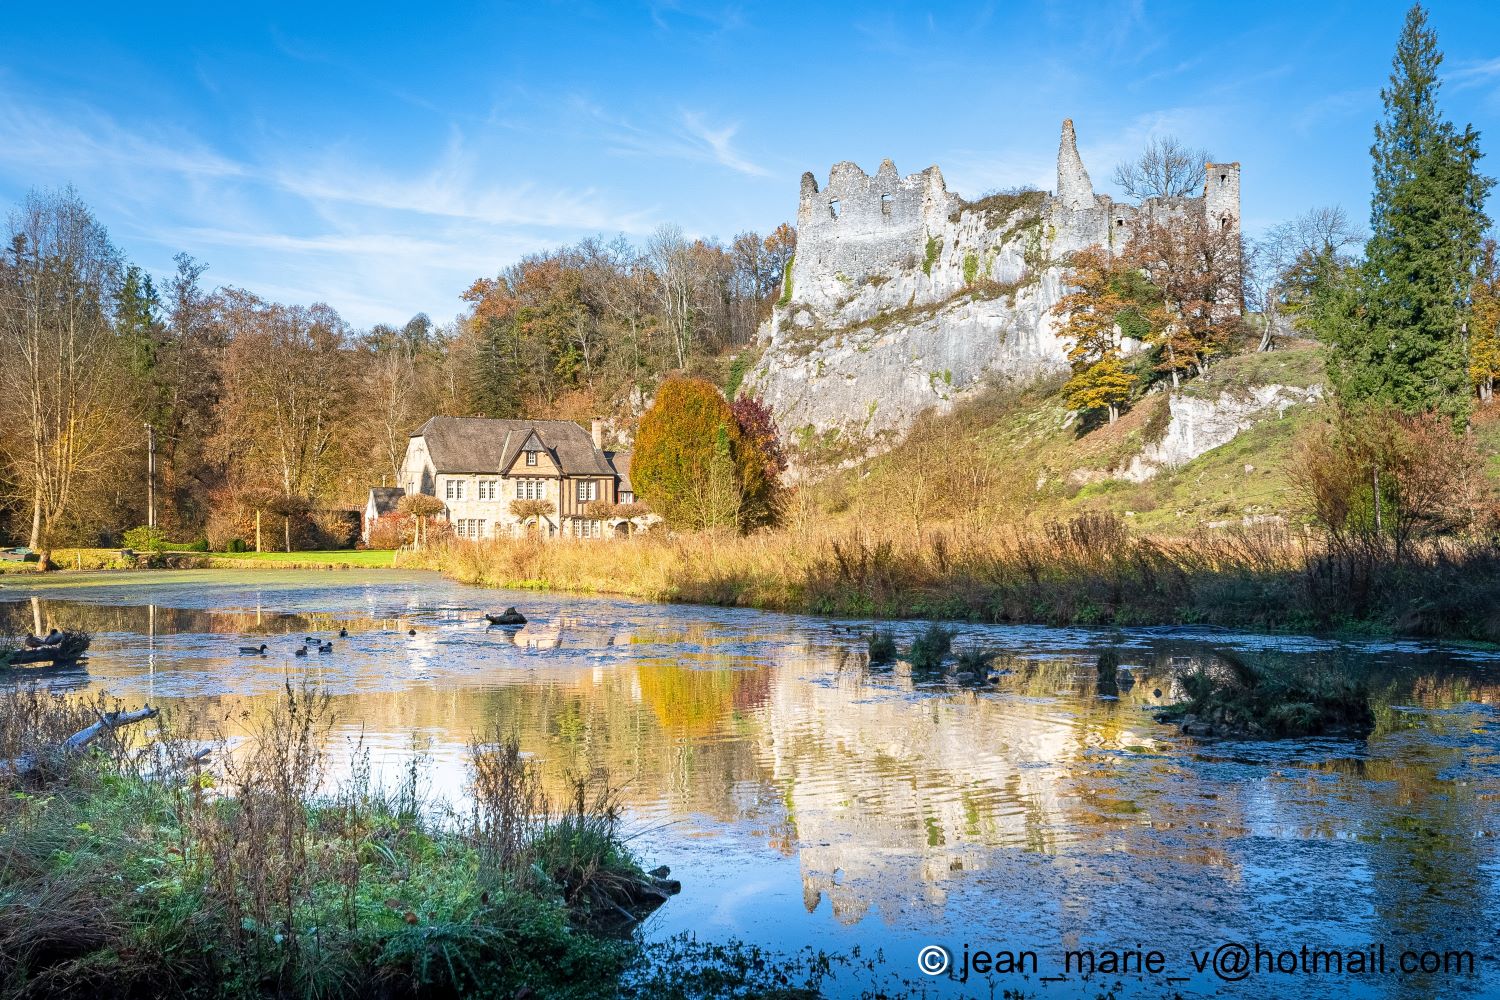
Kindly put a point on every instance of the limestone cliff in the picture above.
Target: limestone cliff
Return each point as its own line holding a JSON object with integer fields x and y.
{"x": 904, "y": 296}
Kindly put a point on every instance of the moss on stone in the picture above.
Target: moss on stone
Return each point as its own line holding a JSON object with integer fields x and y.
{"x": 934, "y": 246}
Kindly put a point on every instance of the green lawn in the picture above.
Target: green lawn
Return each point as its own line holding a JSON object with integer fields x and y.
{"x": 369, "y": 558}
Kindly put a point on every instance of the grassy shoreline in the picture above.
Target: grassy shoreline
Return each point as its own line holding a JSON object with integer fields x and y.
{"x": 1091, "y": 570}
{"x": 89, "y": 560}
{"x": 1087, "y": 571}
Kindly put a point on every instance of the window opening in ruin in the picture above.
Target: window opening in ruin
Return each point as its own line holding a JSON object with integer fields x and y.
{"x": 1119, "y": 222}
{"x": 1223, "y": 178}
{"x": 834, "y": 208}
{"x": 885, "y": 204}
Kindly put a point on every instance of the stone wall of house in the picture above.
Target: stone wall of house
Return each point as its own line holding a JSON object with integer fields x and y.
{"x": 904, "y": 296}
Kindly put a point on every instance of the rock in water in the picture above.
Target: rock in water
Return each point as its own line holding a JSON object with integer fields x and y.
{"x": 510, "y": 616}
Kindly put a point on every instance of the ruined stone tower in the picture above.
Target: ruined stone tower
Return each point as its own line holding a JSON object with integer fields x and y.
{"x": 1221, "y": 194}
{"x": 1074, "y": 189}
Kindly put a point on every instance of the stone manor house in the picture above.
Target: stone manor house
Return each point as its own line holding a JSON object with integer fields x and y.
{"x": 478, "y": 467}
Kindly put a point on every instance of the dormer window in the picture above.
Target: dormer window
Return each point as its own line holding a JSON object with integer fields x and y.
{"x": 531, "y": 458}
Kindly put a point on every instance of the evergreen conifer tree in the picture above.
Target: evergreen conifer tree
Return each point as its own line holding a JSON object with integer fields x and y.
{"x": 1405, "y": 344}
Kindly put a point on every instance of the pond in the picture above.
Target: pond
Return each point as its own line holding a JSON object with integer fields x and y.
{"x": 804, "y": 800}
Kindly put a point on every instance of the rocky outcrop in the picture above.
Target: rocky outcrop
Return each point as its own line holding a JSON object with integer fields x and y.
{"x": 903, "y": 296}
{"x": 1199, "y": 423}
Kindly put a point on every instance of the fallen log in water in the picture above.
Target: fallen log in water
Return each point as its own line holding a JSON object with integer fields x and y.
{"x": 108, "y": 723}
{"x": 66, "y": 647}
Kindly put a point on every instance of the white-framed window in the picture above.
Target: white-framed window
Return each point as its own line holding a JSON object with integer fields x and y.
{"x": 588, "y": 489}
{"x": 626, "y": 496}
{"x": 453, "y": 489}
{"x": 588, "y": 528}
{"x": 531, "y": 489}
{"x": 531, "y": 458}
{"x": 469, "y": 527}
{"x": 489, "y": 489}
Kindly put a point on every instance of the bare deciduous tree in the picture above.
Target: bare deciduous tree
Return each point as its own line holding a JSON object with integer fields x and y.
{"x": 1282, "y": 266}
{"x": 1165, "y": 169}
{"x": 60, "y": 380}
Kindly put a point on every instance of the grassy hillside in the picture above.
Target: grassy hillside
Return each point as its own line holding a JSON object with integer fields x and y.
{"x": 1018, "y": 454}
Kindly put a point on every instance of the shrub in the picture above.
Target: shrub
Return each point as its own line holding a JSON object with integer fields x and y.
{"x": 391, "y": 532}
{"x": 1231, "y": 697}
{"x": 144, "y": 539}
{"x": 882, "y": 647}
{"x": 235, "y": 545}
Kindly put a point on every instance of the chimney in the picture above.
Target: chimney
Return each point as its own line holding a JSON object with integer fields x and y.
{"x": 596, "y": 430}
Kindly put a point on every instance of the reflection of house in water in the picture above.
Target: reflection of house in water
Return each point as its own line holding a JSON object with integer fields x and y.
{"x": 564, "y": 632}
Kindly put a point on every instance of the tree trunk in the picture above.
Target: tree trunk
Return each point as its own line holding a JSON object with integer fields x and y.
{"x": 110, "y": 721}
{"x": 257, "y": 531}
{"x": 286, "y": 530}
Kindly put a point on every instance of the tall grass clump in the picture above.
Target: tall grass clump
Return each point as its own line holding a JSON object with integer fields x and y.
{"x": 930, "y": 649}
{"x": 1087, "y": 570}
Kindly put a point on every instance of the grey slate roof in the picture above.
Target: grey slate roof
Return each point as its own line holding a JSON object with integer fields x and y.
{"x": 386, "y": 498}
{"x": 621, "y": 461}
{"x": 482, "y": 444}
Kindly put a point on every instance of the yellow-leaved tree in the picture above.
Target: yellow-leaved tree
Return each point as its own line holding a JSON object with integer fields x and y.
{"x": 1099, "y": 380}
{"x": 1484, "y": 324}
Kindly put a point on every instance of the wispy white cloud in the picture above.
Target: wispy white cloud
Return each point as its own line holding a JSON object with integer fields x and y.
{"x": 373, "y": 242}
{"x": 1475, "y": 74}
{"x": 689, "y": 137}
{"x": 720, "y": 142}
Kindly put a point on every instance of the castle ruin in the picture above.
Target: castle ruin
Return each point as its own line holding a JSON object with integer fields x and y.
{"x": 903, "y": 295}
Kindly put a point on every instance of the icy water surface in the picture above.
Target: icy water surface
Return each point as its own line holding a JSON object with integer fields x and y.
{"x": 804, "y": 800}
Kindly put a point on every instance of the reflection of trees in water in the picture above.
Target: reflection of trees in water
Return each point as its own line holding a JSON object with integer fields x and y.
{"x": 697, "y": 696}
{"x": 1430, "y": 818}
{"x": 18, "y": 616}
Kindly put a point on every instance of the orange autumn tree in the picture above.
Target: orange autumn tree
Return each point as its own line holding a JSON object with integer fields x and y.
{"x": 1099, "y": 380}
{"x": 704, "y": 464}
{"x": 1197, "y": 267}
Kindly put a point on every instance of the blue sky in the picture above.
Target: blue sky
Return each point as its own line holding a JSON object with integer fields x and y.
{"x": 380, "y": 160}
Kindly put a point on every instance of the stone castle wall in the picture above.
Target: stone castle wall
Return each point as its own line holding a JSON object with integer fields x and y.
{"x": 904, "y": 296}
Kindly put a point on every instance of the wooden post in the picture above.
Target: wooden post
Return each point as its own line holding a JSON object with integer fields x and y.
{"x": 150, "y": 476}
